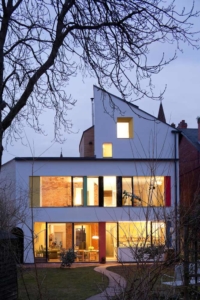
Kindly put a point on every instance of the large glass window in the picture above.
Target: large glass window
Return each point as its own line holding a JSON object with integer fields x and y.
{"x": 40, "y": 241}
{"x": 109, "y": 183}
{"x": 141, "y": 234}
{"x": 111, "y": 241}
{"x": 86, "y": 241}
{"x": 77, "y": 191}
{"x": 134, "y": 234}
{"x": 50, "y": 191}
{"x": 148, "y": 191}
{"x": 143, "y": 191}
{"x": 124, "y": 127}
{"x": 59, "y": 238}
{"x": 127, "y": 190}
{"x": 92, "y": 191}
{"x": 158, "y": 233}
{"x": 55, "y": 191}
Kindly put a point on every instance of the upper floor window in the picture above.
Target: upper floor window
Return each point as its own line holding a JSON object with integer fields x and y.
{"x": 109, "y": 184}
{"x": 125, "y": 127}
{"x": 50, "y": 191}
{"x": 77, "y": 191}
{"x": 107, "y": 150}
{"x": 143, "y": 191}
{"x": 92, "y": 191}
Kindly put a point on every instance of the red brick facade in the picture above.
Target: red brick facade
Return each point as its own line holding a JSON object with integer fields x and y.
{"x": 189, "y": 172}
{"x": 56, "y": 191}
{"x": 86, "y": 147}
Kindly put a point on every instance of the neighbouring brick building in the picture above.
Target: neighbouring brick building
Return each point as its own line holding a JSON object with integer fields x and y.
{"x": 189, "y": 155}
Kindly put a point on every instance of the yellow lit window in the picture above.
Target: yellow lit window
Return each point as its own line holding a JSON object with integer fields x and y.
{"x": 125, "y": 128}
{"x": 107, "y": 150}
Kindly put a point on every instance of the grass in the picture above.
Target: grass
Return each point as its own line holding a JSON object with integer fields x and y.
{"x": 144, "y": 280}
{"x": 61, "y": 284}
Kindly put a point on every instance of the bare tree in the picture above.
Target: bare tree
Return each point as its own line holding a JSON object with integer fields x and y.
{"x": 44, "y": 43}
{"x": 12, "y": 211}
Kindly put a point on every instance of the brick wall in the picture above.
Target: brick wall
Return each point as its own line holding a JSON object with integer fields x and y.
{"x": 189, "y": 172}
{"x": 86, "y": 147}
{"x": 56, "y": 191}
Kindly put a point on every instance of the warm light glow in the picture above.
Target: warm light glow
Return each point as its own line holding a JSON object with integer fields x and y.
{"x": 125, "y": 127}
{"x": 123, "y": 130}
{"x": 95, "y": 237}
{"x": 107, "y": 150}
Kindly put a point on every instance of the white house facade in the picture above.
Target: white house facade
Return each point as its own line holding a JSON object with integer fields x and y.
{"x": 121, "y": 194}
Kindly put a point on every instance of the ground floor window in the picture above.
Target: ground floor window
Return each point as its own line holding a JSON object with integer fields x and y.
{"x": 86, "y": 241}
{"x": 52, "y": 238}
{"x": 111, "y": 241}
{"x": 141, "y": 234}
{"x": 92, "y": 241}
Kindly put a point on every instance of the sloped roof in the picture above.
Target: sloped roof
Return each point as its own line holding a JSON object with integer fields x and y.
{"x": 135, "y": 106}
{"x": 161, "y": 114}
{"x": 191, "y": 134}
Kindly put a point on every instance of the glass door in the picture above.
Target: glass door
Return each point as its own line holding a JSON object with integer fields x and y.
{"x": 111, "y": 241}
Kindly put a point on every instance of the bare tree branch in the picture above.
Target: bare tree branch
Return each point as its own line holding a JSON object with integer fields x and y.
{"x": 44, "y": 43}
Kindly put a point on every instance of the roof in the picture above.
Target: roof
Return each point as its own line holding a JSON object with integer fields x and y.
{"x": 161, "y": 114}
{"x": 94, "y": 159}
{"x": 127, "y": 102}
{"x": 191, "y": 134}
{"x": 163, "y": 120}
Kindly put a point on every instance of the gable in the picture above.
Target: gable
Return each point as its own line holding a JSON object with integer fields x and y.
{"x": 148, "y": 137}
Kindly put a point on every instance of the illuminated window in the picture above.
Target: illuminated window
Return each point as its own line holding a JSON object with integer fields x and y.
{"x": 107, "y": 150}
{"x": 125, "y": 128}
{"x": 109, "y": 184}
{"x": 92, "y": 191}
{"x": 78, "y": 191}
{"x": 127, "y": 191}
{"x": 50, "y": 191}
{"x": 149, "y": 191}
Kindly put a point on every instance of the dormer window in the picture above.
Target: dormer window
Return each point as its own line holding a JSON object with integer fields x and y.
{"x": 124, "y": 128}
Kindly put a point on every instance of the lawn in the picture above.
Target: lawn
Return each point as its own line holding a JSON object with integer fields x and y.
{"x": 144, "y": 281}
{"x": 60, "y": 284}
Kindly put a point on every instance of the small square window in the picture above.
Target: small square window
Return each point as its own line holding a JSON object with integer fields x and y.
{"x": 107, "y": 150}
{"x": 125, "y": 128}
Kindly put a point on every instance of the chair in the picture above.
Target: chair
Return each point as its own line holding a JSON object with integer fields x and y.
{"x": 178, "y": 278}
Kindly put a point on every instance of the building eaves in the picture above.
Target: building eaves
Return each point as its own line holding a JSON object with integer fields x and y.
{"x": 56, "y": 159}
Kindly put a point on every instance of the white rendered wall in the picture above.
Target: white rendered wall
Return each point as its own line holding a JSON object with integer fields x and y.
{"x": 151, "y": 138}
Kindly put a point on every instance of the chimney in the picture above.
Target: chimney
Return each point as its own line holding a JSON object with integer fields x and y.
{"x": 198, "y": 121}
{"x": 182, "y": 124}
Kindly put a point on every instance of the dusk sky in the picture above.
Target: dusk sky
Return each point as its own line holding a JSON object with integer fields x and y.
{"x": 181, "y": 102}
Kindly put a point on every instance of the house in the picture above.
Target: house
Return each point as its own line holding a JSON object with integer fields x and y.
{"x": 189, "y": 152}
{"x": 120, "y": 194}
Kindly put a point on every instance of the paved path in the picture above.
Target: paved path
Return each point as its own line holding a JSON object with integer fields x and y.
{"x": 116, "y": 284}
